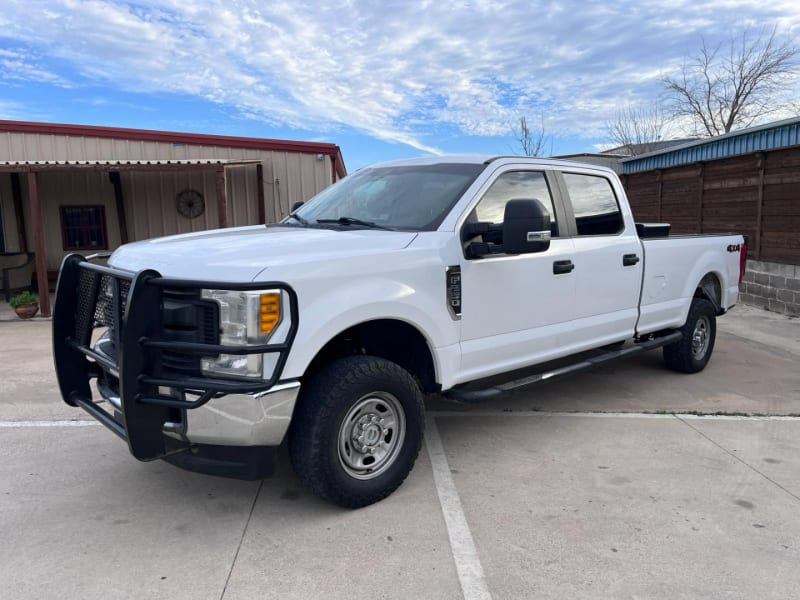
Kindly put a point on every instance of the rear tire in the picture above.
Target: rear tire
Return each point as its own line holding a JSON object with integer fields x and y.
{"x": 357, "y": 430}
{"x": 692, "y": 353}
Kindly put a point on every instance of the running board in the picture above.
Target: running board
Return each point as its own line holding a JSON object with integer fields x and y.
{"x": 465, "y": 395}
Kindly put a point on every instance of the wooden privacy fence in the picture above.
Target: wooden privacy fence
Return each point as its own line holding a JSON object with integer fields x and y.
{"x": 756, "y": 194}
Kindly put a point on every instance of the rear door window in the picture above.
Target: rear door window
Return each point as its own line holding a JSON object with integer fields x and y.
{"x": 594, "y": 203}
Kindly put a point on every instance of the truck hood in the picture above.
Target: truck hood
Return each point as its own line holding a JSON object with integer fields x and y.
{"x": 239, "y": 254}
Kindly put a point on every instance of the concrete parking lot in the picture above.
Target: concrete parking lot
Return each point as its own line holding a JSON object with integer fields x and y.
{"x": 618, "y": 483}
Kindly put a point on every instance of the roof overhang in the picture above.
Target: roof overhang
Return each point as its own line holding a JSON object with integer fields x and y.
{"x": 199, "y": 164}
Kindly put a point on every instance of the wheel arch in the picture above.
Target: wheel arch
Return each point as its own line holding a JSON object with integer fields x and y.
{"x": 389, "y": 338}
{"x": 710, "y": 288}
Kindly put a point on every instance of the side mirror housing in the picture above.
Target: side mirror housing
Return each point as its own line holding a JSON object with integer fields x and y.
{"x": 526, "y": 227}
{"x": 297, "y": 205}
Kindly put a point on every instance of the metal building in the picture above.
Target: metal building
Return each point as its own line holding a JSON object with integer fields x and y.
{"x": 76, "y": 188}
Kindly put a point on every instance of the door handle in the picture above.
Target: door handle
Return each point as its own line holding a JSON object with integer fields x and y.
{"x": 562, "y": 266}
{"x": 629, "y": 260}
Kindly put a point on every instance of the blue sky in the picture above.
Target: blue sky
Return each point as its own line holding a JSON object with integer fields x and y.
{"x": 381, "y": 79}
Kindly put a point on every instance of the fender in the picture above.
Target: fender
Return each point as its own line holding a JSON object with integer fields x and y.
{"x": 323, "y": 318}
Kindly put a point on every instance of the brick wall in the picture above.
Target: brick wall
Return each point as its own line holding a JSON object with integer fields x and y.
{"x": 774, "y": 286}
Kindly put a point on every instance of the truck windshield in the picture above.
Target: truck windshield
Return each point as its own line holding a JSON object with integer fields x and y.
{"x": 415, "y": 197}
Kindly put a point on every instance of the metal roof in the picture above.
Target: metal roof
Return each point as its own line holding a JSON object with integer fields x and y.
{"x": 771, "y": 136}
{"x": 122, "y": 165}
{"x": 178, "y": 138}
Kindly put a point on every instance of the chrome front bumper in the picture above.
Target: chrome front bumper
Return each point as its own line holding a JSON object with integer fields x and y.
{"x": 253, "y": 419}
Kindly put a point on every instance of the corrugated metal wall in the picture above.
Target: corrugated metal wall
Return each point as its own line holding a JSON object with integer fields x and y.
{"x": 150, "y": 196}
{"x": 757, "y": 195}
{"x": 288, "y": 177}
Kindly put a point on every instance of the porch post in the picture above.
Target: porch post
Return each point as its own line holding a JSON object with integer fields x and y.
{"x": 122, "y": 221}
{"x": 38, "y": 240}
{"x": 260, "y": 189}
{"x": 222, "y": 201}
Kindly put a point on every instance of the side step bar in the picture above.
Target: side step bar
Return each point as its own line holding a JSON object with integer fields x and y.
{"x": 472, "y": 395}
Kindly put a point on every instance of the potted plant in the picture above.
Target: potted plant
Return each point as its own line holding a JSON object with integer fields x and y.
{"x": 25, "y": 304}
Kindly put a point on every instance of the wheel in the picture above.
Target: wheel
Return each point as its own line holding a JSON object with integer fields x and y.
{"x": 357, "y": 430}
{"x": 692, "y": 353}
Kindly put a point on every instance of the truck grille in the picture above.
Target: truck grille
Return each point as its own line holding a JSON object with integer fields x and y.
{"x": 95, "y": 303}
{"x": 185, "y": 317}
{"x": 188, "y": 318}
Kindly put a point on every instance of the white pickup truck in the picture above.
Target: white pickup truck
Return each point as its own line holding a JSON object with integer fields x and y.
{"x": 431, "y": 275}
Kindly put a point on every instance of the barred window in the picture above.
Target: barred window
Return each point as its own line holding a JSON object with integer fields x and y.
{"x": 84, "y": 227}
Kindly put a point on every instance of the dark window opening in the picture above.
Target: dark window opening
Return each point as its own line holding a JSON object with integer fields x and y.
{"x": 84, "y": 227}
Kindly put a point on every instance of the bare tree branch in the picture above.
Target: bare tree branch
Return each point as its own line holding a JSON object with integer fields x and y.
{"x": 636, "y": 127}
{"x": 721, "y": 91}
{"x": 531, "y": 142}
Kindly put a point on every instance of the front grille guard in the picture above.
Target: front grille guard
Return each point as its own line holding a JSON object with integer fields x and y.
{"x": 136, "y": 304}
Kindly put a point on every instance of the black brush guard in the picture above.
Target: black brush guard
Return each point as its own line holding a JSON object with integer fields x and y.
{"x": 140, "y": 343}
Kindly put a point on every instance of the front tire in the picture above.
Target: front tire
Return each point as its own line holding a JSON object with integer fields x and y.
{"x": 357, "y": 430}
{"x": 692, "y": 353}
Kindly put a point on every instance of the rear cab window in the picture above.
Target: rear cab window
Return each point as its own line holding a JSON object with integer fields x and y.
{"x": 594, "y": 204}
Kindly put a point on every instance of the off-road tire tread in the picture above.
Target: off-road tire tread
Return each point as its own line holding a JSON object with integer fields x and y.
{"x": 320, "y": 402}
{"x": 678, "y": 356}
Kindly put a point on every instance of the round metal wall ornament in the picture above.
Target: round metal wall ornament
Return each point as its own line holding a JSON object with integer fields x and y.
{"x": 190, "y": 203}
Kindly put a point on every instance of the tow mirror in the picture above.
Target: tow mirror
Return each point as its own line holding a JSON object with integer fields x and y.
{"x": 526, "y": 227}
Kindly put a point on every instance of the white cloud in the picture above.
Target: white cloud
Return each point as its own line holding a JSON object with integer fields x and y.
{"x": 16, "y": 111}
{"x": 407, "y": 72}
{"x": 17, "y": 65}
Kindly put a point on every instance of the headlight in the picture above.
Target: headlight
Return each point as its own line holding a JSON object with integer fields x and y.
{"x": 245, "y": 319}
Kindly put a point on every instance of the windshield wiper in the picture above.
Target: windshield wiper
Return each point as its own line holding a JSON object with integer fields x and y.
{"x": 299, "y": 219}
{"x": 354, "y": 221}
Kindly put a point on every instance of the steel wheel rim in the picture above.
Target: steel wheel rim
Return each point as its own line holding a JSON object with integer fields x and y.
{"x": 701, "y": 337}
{"x": 371, "y": 435}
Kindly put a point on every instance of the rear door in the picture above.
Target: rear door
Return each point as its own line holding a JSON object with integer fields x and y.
{"x": 608, "y": 261}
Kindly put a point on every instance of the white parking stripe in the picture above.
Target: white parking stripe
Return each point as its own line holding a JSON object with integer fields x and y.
{"x": 468, "y": 565}
{"x": 15, "y": 424}
{"x": 607, "y": 415}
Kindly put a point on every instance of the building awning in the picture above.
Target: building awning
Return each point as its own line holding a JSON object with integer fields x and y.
{"x": 33, "y": 168}
{"x": 194, "y": 164}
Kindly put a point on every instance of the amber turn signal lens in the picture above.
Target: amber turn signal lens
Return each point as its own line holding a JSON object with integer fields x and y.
{"x": 269, "y": 312}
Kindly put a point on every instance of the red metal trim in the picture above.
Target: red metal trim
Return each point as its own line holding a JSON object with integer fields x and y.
{"x": 172, "y": 137}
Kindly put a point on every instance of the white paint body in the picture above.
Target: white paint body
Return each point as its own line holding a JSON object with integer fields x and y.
{"x": 516, "y": 313}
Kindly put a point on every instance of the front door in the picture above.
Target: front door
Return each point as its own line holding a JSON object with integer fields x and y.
{"x": 516, "y": 310}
